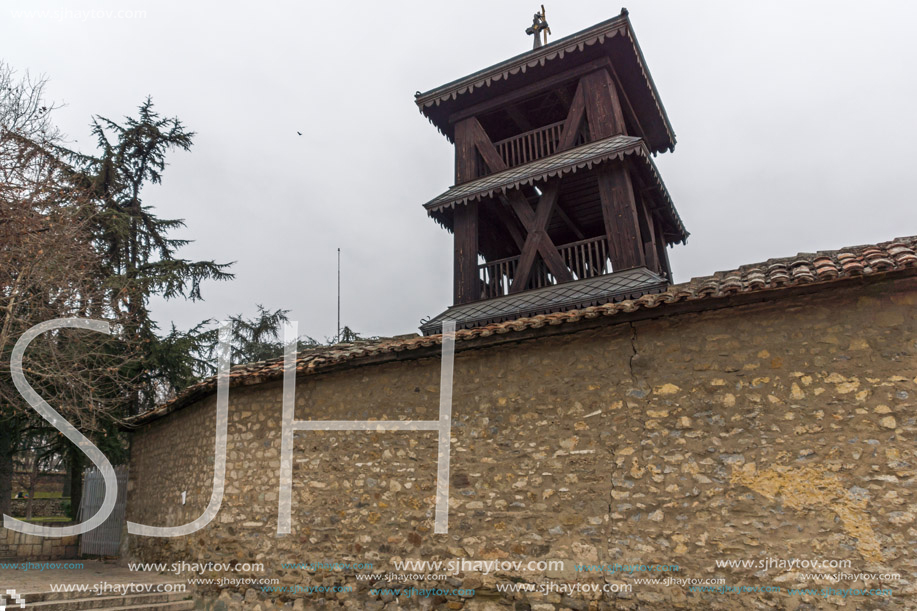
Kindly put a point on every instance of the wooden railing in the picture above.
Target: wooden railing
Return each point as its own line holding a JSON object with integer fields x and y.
{"x": 497, "y": 276}
{"x": 585, "y": 259}
{"x": 529, "y": 146}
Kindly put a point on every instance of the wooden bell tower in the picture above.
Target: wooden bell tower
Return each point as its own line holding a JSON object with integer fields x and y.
{"x": 555, "y": 190}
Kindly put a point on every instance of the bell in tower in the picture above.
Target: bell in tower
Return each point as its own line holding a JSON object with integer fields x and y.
{"x": 557, "y": 204}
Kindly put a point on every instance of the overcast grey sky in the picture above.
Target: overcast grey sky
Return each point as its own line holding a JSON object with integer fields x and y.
{"x": 794, "y": 123}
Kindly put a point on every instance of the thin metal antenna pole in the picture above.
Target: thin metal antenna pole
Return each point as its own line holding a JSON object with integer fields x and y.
{"x": 339, "y": 295}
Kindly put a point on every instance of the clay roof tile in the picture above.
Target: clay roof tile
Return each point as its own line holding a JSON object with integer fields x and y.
{"x": 822, "y": 268}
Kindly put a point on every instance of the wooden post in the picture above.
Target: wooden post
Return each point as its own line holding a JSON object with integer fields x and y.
{"x": 465, "y": 152}
{"x": 648, "y": 233}
{"x": 603, "y": 108}
{"x": 663, "y": 254}
{"x": 465, "y": 228}
{"x": 616, "y": 191}
{"x": 619, "y": 211}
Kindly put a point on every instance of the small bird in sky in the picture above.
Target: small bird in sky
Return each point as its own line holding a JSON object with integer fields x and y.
{"x": 300, "y": 133}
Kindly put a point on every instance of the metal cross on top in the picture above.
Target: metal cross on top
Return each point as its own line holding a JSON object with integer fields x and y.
{"x": 539, "y": 25}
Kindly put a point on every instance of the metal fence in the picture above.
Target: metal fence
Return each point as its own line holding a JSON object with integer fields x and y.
{"x": 106, "y": 539}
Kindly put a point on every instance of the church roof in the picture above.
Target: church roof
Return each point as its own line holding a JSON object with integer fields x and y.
{"x": 612, "y": 41}
{"x": 768, "y": 280}
{"x": 608, "y": 288}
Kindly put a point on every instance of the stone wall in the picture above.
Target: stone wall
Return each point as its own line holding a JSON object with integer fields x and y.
{"x": 14, "y": 545}
{"x": 766, "y": 432}
{"x": 46, "y": 482}
{"x": 45, "y": 508}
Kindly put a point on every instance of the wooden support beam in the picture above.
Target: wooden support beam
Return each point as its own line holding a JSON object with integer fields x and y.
{"x": 597, "y": 101}
{"x": 569, "y": 222}
{"x": 603, "y": 109}
{"x": 564, "y": 97}
{"x": 503, "y": 213}
{"x": 535, "y": 222}
{"x": 574, "y": 119}
{"x": 518, "y": 118}
{"x": 630, "y": 107}
{"x": 465, "y": 157}
{"x": 619, "y": 212}
{"x": 465, "y": 230}
{"x": 485, "y": 147}
{"x": 522, "y": 208}
{"x": 537, "y": 239}
{"x": 663, "y": 252}
{"x": 648, "y": 234}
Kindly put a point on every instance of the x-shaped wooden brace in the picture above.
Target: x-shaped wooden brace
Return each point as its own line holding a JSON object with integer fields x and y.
{"x": 595, "y": 98}
{"x": 535, "y": 222}
{"x": 537, "y": 239}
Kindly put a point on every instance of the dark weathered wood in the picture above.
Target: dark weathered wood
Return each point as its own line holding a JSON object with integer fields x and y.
{"x": 603, "y": 109}
{"x": 496, "y": 276}
{"x": 530, "y": 146}
{"x": 627, "y": 104}
{"x": 524, "y": 267}
{"x": 574, "y": 119}
{"x": 465, "y": 229}
{"x": 492, "y": 239}
{"x": 538, "y": 241}
{"x": 569, "y": 222}
{"x": 662, "y": 252}
{"x": 585, "y": 258}
{"x": 484, "y": 146}
{"x": 521, "y": 121}
{"x": 510, "y": 223}
{"x": 520, "y": 205}
{"x": 619, "y": 213}
{"x": 563, "y": 96}
{"x": 648, "y": 234}
{"x": 516, "y": 231}
{"x": 532, "y": 223}
{"x": 546, "y": 84}
{"x": 465, "y": 157}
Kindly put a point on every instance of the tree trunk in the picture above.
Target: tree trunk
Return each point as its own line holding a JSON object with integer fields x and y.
{"x": 33, "y": 480}
{"x": 68, "y": 481}
{"x": 6, "y": 468}
{"x": 75, "y": 462}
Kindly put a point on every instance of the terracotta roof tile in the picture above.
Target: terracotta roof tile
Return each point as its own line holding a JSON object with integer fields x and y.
{"x": 773, "y": 275}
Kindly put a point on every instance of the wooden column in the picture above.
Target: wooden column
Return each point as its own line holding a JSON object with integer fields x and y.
{"x": 465, "y": 229}
{"x": 603, "y": 108}
{"x": 465, "y": 151}
{"x": 619, "y": 211}
{"x": 648, "y": 233}
{"x": 663, "y": 253}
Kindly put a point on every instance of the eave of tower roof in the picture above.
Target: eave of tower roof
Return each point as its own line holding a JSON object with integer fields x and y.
{"x": 440, "y": 103}
{"x": 561, "y": 164}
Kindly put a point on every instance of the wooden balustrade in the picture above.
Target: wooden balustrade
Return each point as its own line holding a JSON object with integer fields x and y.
{"x": 585, "y": 259}
{"x": 497, "y": 276}
{"x": 531, "y": 145}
